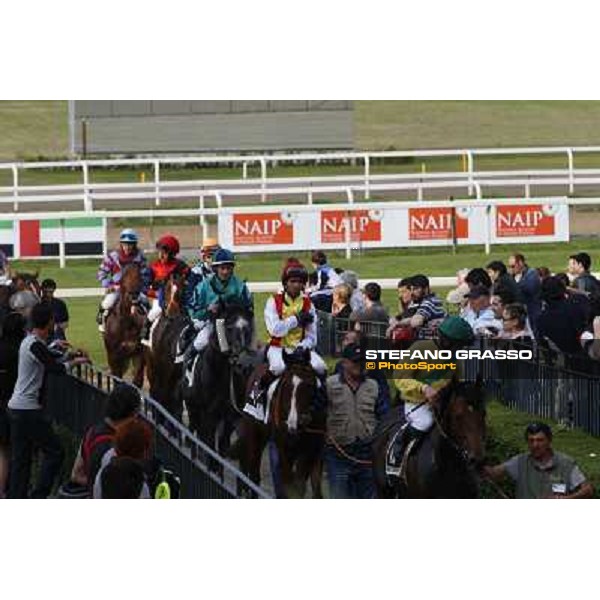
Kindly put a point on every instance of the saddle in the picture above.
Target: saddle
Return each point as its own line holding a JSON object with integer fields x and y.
{"x": 396, "y": 466}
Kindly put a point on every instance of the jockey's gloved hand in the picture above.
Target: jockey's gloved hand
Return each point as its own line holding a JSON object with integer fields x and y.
{"x": 198, "y": 324}
{"x": 304, "y": 318}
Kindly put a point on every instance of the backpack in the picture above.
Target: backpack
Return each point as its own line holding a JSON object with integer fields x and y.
{"x": 163, "y": 483}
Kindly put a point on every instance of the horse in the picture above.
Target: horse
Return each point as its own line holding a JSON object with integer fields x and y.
{"x": 123, "y": 328}
{"x": 214, "y": 398}
{"x": 296, "y": 428}
{"x": 445, "y": 463}
{"x": 162, "y": 371}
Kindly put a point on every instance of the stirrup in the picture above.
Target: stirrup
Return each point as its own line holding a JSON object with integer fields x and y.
{"x": 255, "y": 410}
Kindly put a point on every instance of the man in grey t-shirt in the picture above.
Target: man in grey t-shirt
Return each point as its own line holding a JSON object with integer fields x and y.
{"x": 30, "y": 427}
{"x": 542, "y": 472}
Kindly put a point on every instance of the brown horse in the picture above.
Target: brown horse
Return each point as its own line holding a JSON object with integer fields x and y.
{"x": 124, "y": 326}
{"x": 162, "y": 371}
{"x": 445, "y": 463}
{"x": 296, "y": 429}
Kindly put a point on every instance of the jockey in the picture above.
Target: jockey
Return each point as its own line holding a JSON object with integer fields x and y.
{"x": 111, "y": 270}
{"x": 290, "y": 320}
{"x": 221, "y": 287}
{"x": 161, "y": 270}
{"x": 4, "y": 269}
{"x": 201, "y": 269}
{"x": 420, "y": 388}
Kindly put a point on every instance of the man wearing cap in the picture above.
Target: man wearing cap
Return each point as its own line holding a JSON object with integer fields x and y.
{"x": 290, "y": 321}
{"x": 420, "y": 388}
{"x": 354, "y": 408}
{"x": 59, "y": 310}
{"x": 479, "y": 313}
{"x": 542, "y": 472}
{"x": 201, "y": 270}
{"x": 429, "y": 306}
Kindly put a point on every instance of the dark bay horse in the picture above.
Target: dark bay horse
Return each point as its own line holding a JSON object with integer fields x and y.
{"x": 445, "y": 463}
{"x": 296, "y": 427}
{"x": 161, "y": 369}
{"x": 215, "y": 398}
{"x": 124, "y": 326}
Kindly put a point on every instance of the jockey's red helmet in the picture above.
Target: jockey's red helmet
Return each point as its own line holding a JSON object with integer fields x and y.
{"x": 169, "y": 243}
{"x": 294, "y": 268}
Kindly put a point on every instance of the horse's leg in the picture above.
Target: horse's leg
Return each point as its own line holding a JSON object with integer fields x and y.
{"x": 316, "y": 478}
{"x": 286, "y": 475}
{"x": 137, "y": 362}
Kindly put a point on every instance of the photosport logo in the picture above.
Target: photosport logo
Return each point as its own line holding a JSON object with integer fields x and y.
{"x": 410, "y": 363}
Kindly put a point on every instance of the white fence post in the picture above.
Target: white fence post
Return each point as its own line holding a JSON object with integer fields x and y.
{"x": 15, "y": 172}
{"x": 348, "y": 219}
{"x": 470, "y": 170}
{"x": 571, "y": 174}
{"x": 87, "y": 204}
{"x": 203, "y": 222}
{"x": 157, "y": 182}
{"x": 367, "y": 177}
{"x": 263, "y": 179}
{"x": 244, "y": 170}
{"x": 61, "y": 245}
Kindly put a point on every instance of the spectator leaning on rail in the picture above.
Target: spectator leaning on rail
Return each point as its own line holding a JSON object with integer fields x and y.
{"x": 529, "y": 284}
{"x": 420, "y": 388}
{"x": 457, "y": 295}
{"x": 561, "y": 322}
{"x": 374, "y": 310}
{"x": 502, "y": 280}
{"x": 579, "y": 269}
{"x": 428, "y": 306}
{"x": 350, "y": 278}
{"x": 542, "y": 472}
{"x": 353, "y": 410}
{"x": 515, "y": 324}
{"x": 321, "y": 293}
{"x": 59, "y": 310}
{"x": 480, "y": 315}
{"x": 13, "y": 332}
{"x": 111, "y": 270}
{"x": 30, "y": 427}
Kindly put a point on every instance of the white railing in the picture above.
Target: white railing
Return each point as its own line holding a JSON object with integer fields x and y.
{"x": 569, "y": 176}
{"x": 349, "y": 205}
{"x": 307, "y": 188}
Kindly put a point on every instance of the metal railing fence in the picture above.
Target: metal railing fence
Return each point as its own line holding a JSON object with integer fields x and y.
{"x": 78, "y": 400}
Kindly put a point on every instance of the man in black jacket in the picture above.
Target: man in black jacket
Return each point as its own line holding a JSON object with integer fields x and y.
{"x": 30, "y": 426}
{"x": 13, "y": 332}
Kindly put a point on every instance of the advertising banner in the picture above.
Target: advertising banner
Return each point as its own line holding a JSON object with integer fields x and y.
{"x": 325, "y": 226}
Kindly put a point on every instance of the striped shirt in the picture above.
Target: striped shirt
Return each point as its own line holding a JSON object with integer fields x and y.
{"x": 430, "y": 308}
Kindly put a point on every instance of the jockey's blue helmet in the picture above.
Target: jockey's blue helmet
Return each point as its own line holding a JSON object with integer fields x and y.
{"x": 223, "y": 257}
{"x": 128, "y": 236}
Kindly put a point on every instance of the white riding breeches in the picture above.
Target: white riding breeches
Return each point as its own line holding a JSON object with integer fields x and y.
{"x": 277, "y": 364}
{"x": 109, "y": 300}
{"x": 203, "y": 337}
{"x": 420, "y": 418}
{"x": 155, "y": 310}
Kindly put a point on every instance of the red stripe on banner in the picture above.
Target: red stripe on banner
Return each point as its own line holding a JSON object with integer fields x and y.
{"x": 29, "y": 236}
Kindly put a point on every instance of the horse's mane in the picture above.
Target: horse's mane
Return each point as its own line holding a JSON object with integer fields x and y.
{"x": 462, "y": 389}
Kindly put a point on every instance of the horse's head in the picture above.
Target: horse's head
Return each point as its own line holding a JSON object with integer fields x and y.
{"x": 294, "y": 406}
{"x": 172, "y": 295}
{"x": 233, "y": 329}
{"x": 131, "y": 280}
{"x": 463, "y": 410}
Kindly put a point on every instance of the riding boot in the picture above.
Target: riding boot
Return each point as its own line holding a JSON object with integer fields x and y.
{"x": 145, "y": 333}
{"x": 401, "y": 444}
{"x": 101, "y": 319}
{"x": 260, "y": 387}
{"x": 188, "y": 355}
